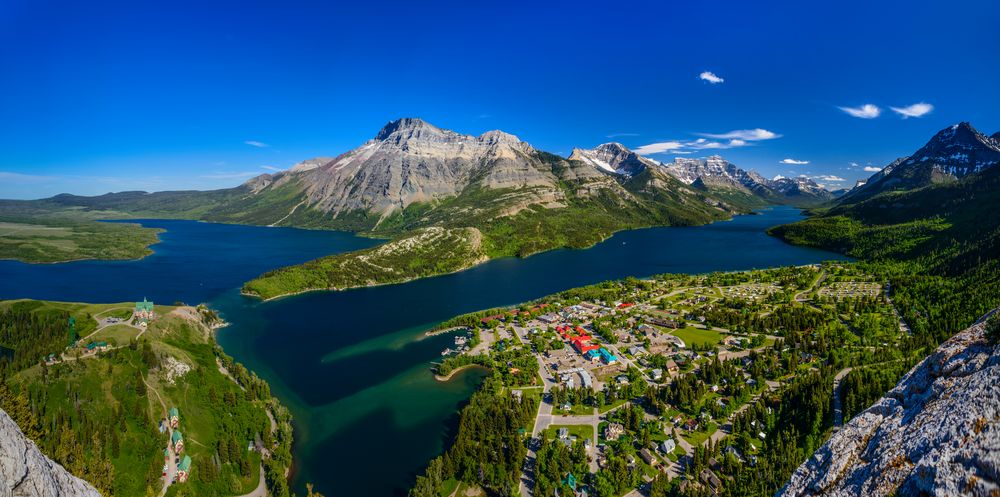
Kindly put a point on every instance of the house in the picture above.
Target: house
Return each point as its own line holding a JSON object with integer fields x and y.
{"x": 622, "y": 379}
{"x": 588, "y": 382}
{"x": 668, "y": 446}
{"x": 691, "y": 425}
{"x": 648, "y": 456}
{"x": 174, "y": 416}
{"x": 708, "y": 477}
{"x": 178, "y": 440}
{"x": 183, "y": 469}
{"x": 570, "y": 481}
{"x": 548, "y": 318}
{"x": 672, "y": 366}
{"x": 636, "y": 350}
{"x": 656, "y": 374}
{"x": 563, "y": 432}
{"x": 676, "y": 341}
{"x": 97, "y": 346}
{"x": 607, "y": 356}
{"x": 614, "y": 431}
{"x": 666, "y": 323}
{"x": 143, "y": 311}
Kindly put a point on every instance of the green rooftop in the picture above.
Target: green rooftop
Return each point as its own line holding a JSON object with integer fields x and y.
{"x": 145, "y": 305}
{"x": 185, "y": 465}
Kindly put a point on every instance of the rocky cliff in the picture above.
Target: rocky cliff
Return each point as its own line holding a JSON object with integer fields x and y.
{"x": 25, "y": 472}
{"x": 935, "y": 433}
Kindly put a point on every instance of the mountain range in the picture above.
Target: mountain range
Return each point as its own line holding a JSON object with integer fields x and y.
{"x": 952, "y": 154}
{"x": 938, "y": 205}
{"x": 502, "y": 197}
{"x": 412, "y": 173}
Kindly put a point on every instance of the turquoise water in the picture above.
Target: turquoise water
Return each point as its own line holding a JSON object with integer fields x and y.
{"x": 353, "y": 366}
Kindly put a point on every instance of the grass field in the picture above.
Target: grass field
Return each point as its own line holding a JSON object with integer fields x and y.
{"x": 579, "y": 431}
{"x": 698, "y": 437}
{"x": 577, "y": 410}
{"x": 692, "y": 335}
{"x": 117, "y": 334}
{"x": 60, "y": 240}
{"x": 606, "y": 408}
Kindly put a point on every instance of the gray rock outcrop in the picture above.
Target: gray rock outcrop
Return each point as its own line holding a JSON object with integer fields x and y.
{"x": 935, "y": 433}
{"x": 26, "y": 472}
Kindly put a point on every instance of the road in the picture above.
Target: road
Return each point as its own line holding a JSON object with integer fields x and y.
{"x": 542, "y": 421}
{"x": 816, "y": 283}
{"x": 838, "y": 408}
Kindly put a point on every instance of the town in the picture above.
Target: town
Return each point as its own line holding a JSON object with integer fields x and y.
{"x": 683, "y": 382}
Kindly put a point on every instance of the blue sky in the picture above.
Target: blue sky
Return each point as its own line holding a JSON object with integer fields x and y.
{"x": 100, "y": 96}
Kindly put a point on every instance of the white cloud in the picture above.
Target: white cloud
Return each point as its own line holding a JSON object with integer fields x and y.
{"x": 872, "y": 169}
{"x": 710, "y": 77}
{"x": 829, "y": 177}
{"x": 755, "y": 134}
{"x": 659, "y": 148}
{"x": 853, "y": 164}
{"x": 866, "y": 111}
{"x": 916, "y": 110}
{"x": 776, "y": 178}
{"x": 721, "y": 141}
{"x": 793, "y": 161}
{"x": 271, "y": 168}
{"x": 616, "y": 135}
{"x": 255, "y": 143}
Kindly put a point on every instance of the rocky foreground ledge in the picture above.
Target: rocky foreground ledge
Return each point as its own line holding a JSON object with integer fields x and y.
{"x": 935, "y": 433}
{"x": 26, "y": 472}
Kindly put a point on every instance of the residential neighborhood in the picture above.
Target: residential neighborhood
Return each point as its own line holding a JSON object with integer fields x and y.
{"x": 676, "y": 376}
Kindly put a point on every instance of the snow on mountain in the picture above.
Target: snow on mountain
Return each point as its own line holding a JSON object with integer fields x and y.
{"x": 613, "y": 158}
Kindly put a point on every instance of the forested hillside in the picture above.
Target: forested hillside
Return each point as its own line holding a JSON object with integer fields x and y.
{"x": 97, "y": 411}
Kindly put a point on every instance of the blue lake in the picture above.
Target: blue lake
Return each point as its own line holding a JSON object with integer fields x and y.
{"x": 353, "y": 366}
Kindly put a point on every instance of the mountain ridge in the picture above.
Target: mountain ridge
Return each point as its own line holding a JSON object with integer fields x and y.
{"x": 26, "y": 472}
{"x": 935, "y": 433}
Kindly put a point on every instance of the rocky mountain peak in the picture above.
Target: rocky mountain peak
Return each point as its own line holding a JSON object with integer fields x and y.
{"x": 407, "y": 128}
{"x": 958, "y": 150}
{"x": 496, "y": 136}
{"x": 613, "y": 158}
{"x": 936, "y": 433}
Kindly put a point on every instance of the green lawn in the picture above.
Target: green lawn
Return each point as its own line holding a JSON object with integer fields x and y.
{"x": 117, "y": 334}
{"x": 578, "y": 431}
{"x": 605, "y": 408}
{"x": 577, "y": 410}
{"x": 448, "y": 487}
{"x": 698, "y": 437}
{"x": 697, "y": 335}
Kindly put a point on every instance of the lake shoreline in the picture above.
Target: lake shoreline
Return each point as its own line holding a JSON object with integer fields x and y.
{"x": 487, "y": 259}
{"x": 460, "y": 369}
